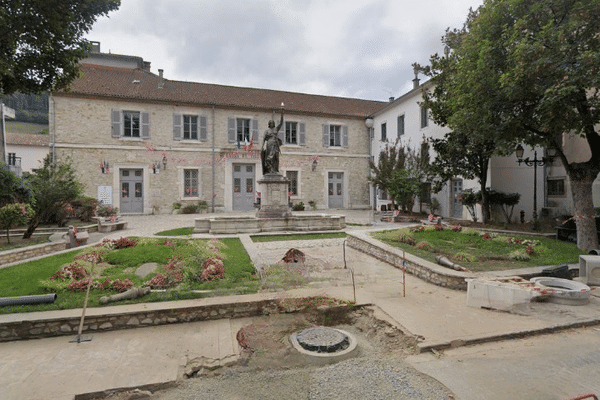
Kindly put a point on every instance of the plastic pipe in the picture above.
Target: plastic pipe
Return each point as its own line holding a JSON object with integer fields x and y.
{"x": 25, "y": 300}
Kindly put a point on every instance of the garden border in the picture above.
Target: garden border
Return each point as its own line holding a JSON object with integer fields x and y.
{"x": 416, "y": 266}
{"x": 39, "y": 325}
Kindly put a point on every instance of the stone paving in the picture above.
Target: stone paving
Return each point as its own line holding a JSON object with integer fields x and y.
{"x": 438, "y": 317}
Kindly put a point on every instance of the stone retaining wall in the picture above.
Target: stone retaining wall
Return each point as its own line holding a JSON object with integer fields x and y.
{"x": 65, "y": 326}
{"x": 14, "y": 255}
{"x": 416, "y": 266}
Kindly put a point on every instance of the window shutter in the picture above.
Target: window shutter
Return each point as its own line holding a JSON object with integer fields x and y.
{"x": 302, "y": 134}
{"x": 145, "y": 125}
{"x": 231, "y": 130}
{"x": 177, "y": 126}
{"x": 281, "y": 133}
{"x": 344, "y": 136}
{"x": 254, "y": 130}
{"x": 325, "y": 135}
{"x": 116, "y": 123}
{"x": 203, "y": 129}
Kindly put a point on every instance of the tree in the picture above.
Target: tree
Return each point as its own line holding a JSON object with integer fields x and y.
{"x": 41, "y": 41}
{"x": 12, "y": 188}
{"x": 532, "y": 70}
{"x": 54, "y": 186}
{"x": 390, "y": 160}
{"x": 13, "y": 215}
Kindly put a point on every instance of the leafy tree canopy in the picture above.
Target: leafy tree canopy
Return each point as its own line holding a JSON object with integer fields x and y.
{"x": 41, "y": 41}
{"x": 528, "y": 71}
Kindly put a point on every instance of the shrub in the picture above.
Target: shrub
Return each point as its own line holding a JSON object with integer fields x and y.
{"x": 190, "y": 209}
{"x": 519, "y": 255}
{"x": 159, "y": 281}
{"x": 121, "y": 285}
{"x": 107, "y": 211}
{"x": 467, "y": 257}
{"x": 80, "y": 285}
{"x": 212, "y": 269}
{"x": 298, "y": 206}
{"x": 456, "y": 228}
{"x": 123, "y": 243}
{"x": 531, "y": 251}
{"x": 424, "y": 245}
{"x": 13, "y": 215}
{"x": 470, "y": 232}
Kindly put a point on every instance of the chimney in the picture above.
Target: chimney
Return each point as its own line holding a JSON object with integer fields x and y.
{"x": 161, "y": 80}
{"x": 391, "y": 99}
{"x": 95, "y": 47}
{"x": 416, "y": 80}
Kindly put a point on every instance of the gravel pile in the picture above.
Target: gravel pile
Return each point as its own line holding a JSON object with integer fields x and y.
{"x": 361, "y": 378}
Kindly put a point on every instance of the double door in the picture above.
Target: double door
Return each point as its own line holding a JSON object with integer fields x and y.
{"x": 132, "y": 191}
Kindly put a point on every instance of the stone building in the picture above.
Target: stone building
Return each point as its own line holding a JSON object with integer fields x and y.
{"x": 142, "y": 142}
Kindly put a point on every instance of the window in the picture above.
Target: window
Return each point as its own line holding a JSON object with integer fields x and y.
{"x": 291, "y": 133}
{"x": 190, "y": 183}
{"x": 190, "y": 127}
{"x": 293, "y": 177}
{"x": 382, "y": 194}
{"x": 424, "y": 117}
{"x": 12, "y": 159}
{"x": 383, "y": 132}
{"x": 335, "y": 138}
{"x": 333, "y": 135}
{"x": 556, "y": 187}
{"x": 400, "y": 125}
{"x": 243, "y": 130}
{"x": 131, "y": 124}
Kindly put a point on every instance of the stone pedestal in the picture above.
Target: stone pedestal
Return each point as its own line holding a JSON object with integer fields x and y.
{"x": 274, "y": 197}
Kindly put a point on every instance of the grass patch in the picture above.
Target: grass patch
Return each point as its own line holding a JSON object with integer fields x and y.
{"x": 302, "y": 236}
{"x": 484, "y": 252}
{"x": 17, "y": 241}
{"x": 33, "y": 277}
{"x": 177, "y": 232}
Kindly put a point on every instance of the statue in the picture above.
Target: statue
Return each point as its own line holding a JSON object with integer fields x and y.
{"x": 270, "y": 151}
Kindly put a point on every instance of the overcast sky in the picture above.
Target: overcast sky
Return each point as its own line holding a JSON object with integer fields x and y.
{"x": 349, "y": 48}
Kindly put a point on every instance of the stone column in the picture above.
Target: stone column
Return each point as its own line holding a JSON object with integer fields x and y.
{"x": 274, "y": 197}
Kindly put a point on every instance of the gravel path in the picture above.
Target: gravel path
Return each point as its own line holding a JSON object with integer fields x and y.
{"x": 364, "y": 378}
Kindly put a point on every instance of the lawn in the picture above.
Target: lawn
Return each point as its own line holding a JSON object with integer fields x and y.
{"x": 181, "y": 272}
{"x": 479, "y": 251}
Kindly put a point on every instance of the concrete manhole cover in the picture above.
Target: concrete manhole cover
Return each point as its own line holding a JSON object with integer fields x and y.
{"x": 324, "y": 345}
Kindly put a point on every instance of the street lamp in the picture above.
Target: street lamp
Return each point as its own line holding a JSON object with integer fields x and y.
{"x": 551, "y": 153}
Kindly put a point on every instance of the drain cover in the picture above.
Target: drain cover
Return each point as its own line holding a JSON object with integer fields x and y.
{"x": 323, "y": 340}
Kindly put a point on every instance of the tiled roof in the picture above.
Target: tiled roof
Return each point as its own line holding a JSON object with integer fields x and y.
{"x": 140, "y": 85}
{"x": 27, "y": 139}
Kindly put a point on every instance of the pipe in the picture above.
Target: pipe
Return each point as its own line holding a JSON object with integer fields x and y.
{"x": 26, "y": 300}
{"x": 445, "y": 262}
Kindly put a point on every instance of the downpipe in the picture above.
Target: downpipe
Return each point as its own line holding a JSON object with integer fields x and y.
{"x": 28, "y": 300}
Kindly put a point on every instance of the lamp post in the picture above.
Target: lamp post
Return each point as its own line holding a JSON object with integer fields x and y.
{"x": 551, "y": 152}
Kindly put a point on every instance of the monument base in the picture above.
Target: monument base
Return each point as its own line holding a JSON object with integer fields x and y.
{"x": 274, "y": 197}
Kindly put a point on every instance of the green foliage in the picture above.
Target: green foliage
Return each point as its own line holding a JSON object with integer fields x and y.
{"x": 12, "y": 188}
{"x": 403, "y": 235}
{"x": 470, "y": 199}
{"x": 140, "y": 254}
{"x": 13, "y": 215}
{"x": 298, "y": 206}
{"x": 404, "y": 187}
{"x": 43, "y": 41}
{"x": 83, "y": 208}
{"x": 424, "y": 245}
{"x": 527, "y": 72}
{"x": 464, "y": 257}
{"x": 107, "y": 211}
{"x": 491, "y": 254}
{"x": 54, "y": 186}
{"x": 31, "y": 108}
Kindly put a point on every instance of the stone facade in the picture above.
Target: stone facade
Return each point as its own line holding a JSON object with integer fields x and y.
{"x": 81, "y": 128}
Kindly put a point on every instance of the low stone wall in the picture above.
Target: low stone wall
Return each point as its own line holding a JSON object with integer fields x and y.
{"x": 14, "y": 255}
{"x": 69, "y": 325}
{"x": 416, "y": 266}
{"x": 232, "y": 225}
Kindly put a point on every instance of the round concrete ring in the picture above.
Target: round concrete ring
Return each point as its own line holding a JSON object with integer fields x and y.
{"x": 327, "y": 358}
{"x": 564, "y": 291}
